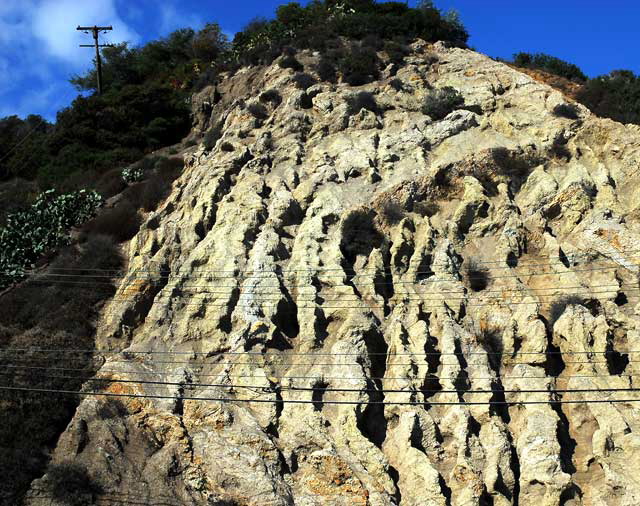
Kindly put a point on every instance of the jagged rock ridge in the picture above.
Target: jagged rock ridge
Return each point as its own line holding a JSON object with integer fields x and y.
{"x": 329, "y": 248}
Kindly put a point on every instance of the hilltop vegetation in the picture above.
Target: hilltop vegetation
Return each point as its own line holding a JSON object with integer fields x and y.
{"x": 615, "y": 95}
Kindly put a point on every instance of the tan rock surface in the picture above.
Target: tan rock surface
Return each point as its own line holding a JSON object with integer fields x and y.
{"x": 329, "y": 250}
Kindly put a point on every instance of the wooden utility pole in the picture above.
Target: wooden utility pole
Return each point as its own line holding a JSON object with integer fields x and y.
{"x": 96, "y": 30}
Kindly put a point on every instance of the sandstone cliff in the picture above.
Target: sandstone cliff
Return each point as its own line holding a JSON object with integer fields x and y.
{"x": 415, "y": 309}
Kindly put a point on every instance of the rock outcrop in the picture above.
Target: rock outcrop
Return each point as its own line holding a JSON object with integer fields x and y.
{"x": 393, "y": 309}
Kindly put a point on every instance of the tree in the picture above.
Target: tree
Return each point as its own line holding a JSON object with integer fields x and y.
{"x": 209, "y": 43}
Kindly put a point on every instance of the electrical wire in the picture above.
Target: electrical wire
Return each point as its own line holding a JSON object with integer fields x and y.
{"x": 304, "y": 401}
{"x": 235, "y": 272}
{"x": 279, "y": 388}
{"x": 323, "y": 377}
{"x": 312, "y": 354}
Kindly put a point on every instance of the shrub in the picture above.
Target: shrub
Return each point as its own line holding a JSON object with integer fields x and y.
{"x": 121, "y": 222}
{"x": 132, "y": 174}
{"x": 71, "y": 484}
{"x": 392, "y": 212}
{"x": 373, "y": 41}
{"x": 359, "y": 235}
{"x": 559, "y": 149}
{"x": 148, "y": 163}
{"x": 227, "y": 147}
{"x": 559, "y": 306}
{"x": 42, "y": 227}
{"x": 271, "y": 97}
{"x": 362, "y": 100}
{"x": 441, "y": 101}
{"x": 615, "y": 96}
{"x": 326, "y": 70}
{"x": 290, "y": 62}
{"x": 211, "y": 137}
{"x": 477, "y": 276}
{"x": 395, "y": 52}
{"x": 359, "y": 66}
{"x": 396, "y": 84}
{"x": 110, "y": 184}
{"x": 168, "y": 169}
{"x": 569, "y": 111}
{"x": 426, "y": 208}
{"x": 258, "y": 111}
{"x": 153, "y": 192}
{"x": 549, "y": 64}
{"x": 302, "y": 80}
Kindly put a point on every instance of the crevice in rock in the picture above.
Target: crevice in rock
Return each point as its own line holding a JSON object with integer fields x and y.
{"x": 616, "y": 362}
{"x": 571, "y": 493}
{"x": 320, "y": 388}
{"x": 501, "y": 409}
{"x": 501, "y": 487}
{"x": 224, "y": 324}
{"x": 563, "y": 258}
{"x": 514, "y": 463}
{"x": 320, "y": 326}
{"x": 512, "y": 259}
{"x": 621, "y": 299}
{"x": 372, "y": 422}
{"x": 424, "y": 267}
{"x": 554, "y": 363}
{"x": 286, "y": 316}
{"x": 383, "y": 281}
{"x": 485, "y": 499}
{"x": 395, "y": 477}
{"x": 445, "y": 489}
{"x": 567, "y": 443}
{"x": 461, "y": 383}
{"x": 431, "y": 383}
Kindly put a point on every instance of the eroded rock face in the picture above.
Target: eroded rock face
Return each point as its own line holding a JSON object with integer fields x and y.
{"x": 325, "y": 248}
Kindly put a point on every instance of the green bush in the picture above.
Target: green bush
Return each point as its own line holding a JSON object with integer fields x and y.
{"x": 303, "y": 80}
{"x": 359, "y": 66}
{"x": 271, "y": 97}
{"x": 569, "y": 111}
{"x": 132, "y": 174}
{"x": 476, "y": 275}
{"x": 258, "y": 111}
{"x": 71, "y": 484}
{"x": 615, "y": 96}
{"x": 120, "y": 222}
{"x": 549, "y": 64}
{"x": 441, "y": 101}
{"x": 326, "y": 70}
{"x": 318, "y": 24}
{"x": 28, "y": 234}
{"x": 290, "y": 62}
{"x": 362, "y": 100}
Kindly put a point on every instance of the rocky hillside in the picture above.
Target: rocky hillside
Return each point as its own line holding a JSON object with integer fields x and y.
{"x": 348, "y": 301}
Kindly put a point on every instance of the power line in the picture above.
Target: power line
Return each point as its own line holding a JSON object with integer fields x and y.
{"x": 278, "y": 388}
{"x": 236, "y": 272}
{"x": 304, "y": 401}
{"x": 292, "y": 364}
{"x": 303, "y": 354}
{"x": 323, "y": 377}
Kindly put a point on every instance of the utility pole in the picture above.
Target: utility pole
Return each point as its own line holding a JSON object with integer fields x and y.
{"x": 95, "y": 30}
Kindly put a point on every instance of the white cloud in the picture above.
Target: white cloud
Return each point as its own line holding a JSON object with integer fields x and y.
{"x": 39, "y": 50}
{"x": 173, "y": 17}
{"x": 54, "y": 23}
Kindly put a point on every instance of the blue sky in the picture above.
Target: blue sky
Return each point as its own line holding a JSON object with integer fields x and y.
{"x": 39, "y": 44}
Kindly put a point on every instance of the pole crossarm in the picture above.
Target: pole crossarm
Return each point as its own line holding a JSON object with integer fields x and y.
{"x": 95, "y": 30}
